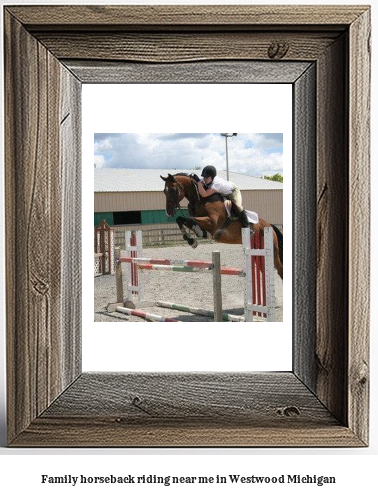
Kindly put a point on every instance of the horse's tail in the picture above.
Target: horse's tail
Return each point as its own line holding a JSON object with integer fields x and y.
{"x": 280, "y": 241}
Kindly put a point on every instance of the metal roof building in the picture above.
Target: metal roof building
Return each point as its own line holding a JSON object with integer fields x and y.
{"x": 135, "y": 196}
{"x": 112, "y": 180}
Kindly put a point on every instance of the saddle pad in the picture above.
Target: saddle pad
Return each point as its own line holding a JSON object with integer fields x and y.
{"x": 252, "y": 217}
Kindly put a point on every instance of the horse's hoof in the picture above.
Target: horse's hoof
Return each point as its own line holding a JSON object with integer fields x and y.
{"x": 217, "y": 234}
{"x": 193, "y": 243}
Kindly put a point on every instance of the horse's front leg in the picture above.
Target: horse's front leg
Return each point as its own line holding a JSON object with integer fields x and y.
{"x": 183, "y": 224}
{"x": 213, "y": 225}
{"x": 202, "y": 225}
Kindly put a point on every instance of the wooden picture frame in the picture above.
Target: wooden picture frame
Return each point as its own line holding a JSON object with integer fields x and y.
{"x": 49, "y": 52}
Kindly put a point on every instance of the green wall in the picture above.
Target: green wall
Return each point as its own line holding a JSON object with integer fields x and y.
{"x": 158, "y": 217}
{"x": 108, "y": 216}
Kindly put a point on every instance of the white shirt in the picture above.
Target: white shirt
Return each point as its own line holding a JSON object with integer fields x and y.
{"x": 222, "y": 186}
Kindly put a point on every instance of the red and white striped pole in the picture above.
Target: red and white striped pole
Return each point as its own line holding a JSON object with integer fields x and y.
{"x": 259, "y": 295}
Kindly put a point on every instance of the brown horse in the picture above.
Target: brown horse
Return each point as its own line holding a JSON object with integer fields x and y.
{"x": 209, "y": 215}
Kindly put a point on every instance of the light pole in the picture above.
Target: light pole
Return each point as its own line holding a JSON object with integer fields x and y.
{"x": 226, "y": 136}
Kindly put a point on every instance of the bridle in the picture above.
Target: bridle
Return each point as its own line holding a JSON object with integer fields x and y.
{"x": 178, "y": 190}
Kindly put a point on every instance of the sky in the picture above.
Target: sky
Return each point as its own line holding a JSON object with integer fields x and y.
{"x": 252, "y": 154}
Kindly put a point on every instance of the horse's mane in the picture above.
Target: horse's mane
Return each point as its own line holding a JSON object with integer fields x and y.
{"x": 184, "y": 174}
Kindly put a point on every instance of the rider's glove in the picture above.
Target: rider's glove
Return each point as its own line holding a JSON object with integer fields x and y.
{"x": 195, "y": 177}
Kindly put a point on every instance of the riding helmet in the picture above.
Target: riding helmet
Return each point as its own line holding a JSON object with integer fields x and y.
{"x": 209, "y": 171}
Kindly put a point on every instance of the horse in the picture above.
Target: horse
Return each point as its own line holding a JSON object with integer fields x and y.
{"x": 209, "y": 216}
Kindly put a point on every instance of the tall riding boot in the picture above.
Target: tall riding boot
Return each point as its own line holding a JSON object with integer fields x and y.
{"x": 243, "y": 218}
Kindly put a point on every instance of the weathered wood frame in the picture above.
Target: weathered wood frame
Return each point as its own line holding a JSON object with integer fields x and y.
{"x": 49, "y": 53}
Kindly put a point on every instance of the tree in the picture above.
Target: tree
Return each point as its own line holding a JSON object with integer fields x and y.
{"x": 275, "y": 177}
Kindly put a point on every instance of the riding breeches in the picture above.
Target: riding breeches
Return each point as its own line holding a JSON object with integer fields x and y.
{"x": 236, "y": 198}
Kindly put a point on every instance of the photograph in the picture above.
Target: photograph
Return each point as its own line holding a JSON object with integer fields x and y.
{"x": 179, "y": 203}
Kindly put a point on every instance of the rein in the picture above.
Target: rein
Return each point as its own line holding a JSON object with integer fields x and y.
{"x": 196, "y": 190}
{"x": 182, "y": 188}
{"x": 177, "y": 190}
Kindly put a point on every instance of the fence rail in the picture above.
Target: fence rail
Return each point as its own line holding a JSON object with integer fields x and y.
{"x": 152, "y": 237}
{"x": 162, "y": 236}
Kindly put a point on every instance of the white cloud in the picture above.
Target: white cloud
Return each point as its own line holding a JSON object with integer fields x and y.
{"x": 99, "y": 161}
{"x": 253, "y": 154}
{"x": 103, "y": 145}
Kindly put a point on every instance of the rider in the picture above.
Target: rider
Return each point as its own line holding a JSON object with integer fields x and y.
{"x": 215, "y": 184}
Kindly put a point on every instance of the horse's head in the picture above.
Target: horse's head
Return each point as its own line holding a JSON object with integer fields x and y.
{"x": 174, "y": 193}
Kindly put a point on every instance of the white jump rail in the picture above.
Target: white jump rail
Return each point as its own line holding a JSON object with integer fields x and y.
{"x": 259, "y": 291}
{"x": 134, "y": 249}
